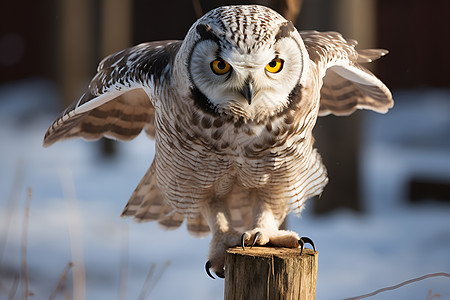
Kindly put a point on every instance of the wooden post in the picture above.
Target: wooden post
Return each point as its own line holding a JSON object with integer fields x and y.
{"x": 270, "y": 273}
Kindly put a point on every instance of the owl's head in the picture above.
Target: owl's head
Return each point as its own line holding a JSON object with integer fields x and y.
{"x": 243, "y": 61}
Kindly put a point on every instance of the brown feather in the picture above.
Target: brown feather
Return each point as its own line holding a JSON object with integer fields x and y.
{"x": 341, "y": 96}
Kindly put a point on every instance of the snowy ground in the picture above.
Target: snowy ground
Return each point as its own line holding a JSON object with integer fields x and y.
{"x": 77, "y": 197}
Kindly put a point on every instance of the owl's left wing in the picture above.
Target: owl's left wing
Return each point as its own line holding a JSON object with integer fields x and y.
{"x": 347, "y": 86}
{"x": 118, "y": 103}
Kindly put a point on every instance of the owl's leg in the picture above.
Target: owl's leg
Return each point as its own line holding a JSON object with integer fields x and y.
{"x": 266, "y": 231}
{"x": 218, "y": 217}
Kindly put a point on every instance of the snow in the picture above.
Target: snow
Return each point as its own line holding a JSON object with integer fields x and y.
{"x": 411, "y": 141}
{"x": 77, "y": 197}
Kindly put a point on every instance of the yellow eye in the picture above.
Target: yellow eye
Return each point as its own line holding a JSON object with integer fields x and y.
{"x": 220, "y": 67}
{"x": 275, "y": 65}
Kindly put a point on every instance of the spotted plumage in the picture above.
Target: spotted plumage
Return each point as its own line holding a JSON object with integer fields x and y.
{"x": 231, "y": 109}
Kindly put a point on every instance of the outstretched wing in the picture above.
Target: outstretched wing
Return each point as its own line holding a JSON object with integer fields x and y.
{"x": 347, "y": 86}
{"x": 119, "y": 101}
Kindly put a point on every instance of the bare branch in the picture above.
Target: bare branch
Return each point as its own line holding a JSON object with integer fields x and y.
{"x": 390, "y": 288}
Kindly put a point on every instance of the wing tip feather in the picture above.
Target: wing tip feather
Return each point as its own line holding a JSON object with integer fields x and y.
{"x": 48, "y": 137}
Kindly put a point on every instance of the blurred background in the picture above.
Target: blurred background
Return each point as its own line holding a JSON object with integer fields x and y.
{"x": 384, "y": 217}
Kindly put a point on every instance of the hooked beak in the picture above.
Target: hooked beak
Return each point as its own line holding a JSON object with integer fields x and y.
{"x": 247, "y": 91}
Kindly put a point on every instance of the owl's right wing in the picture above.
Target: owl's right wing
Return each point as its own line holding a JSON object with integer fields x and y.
{"x": 119, "y": 101}
{"x": 347, "y": 86}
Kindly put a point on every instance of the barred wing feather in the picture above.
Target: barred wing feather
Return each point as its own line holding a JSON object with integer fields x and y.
{"x": 347, "y": 86}
{"x": 119, "y": 101}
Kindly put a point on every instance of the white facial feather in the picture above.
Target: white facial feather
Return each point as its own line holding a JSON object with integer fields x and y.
{"x": 271, "y": 90}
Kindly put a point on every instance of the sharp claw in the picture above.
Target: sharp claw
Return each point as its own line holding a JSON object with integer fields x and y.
{"x": 257, "y": 236}
{"x": 301, "y": 243}
{"x": 306, "y": 239}
{"x": 243, "y": 238}
{"x": 207, "y": 267}
{"x": 220, "y": 275}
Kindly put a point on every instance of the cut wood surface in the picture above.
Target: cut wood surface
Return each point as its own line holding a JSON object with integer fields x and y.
{"x": 270, "y": 273}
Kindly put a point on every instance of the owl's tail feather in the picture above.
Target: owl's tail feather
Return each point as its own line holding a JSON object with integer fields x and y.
{"x": 197, "y": 226}
{"x": 147, "y": 204}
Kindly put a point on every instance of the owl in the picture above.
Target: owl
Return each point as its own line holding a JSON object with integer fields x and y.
{"x": 231, "y": 109}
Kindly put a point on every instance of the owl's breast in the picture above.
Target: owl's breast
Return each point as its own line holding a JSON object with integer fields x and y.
{"x": 197, "y": 150}
{"x": 255, "y": 151}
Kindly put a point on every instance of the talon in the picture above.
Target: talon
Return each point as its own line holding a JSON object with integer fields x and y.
{"x": 301, "y": 243}
{"x": 306, "y": 239}
{"x": 207, "y": 267}
{"x": 257, "y": 236}
{"x": 243, "y": 238}
{"x": 220, "y": 275}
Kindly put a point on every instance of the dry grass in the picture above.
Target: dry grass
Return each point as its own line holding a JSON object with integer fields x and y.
{"x": 62, "y": 279}
{"x": 5, "y": 226}
{"x": 15, "y": 285}
{"x": 63, "y": 290}
{"x": 151, "y": 280}
{"x": 124, "y": 263}
{"x": 24, "y": 272}
{"x": 14, "y": 195}
{"x": 431, "y": 296}
{"x": 75, "y": 234}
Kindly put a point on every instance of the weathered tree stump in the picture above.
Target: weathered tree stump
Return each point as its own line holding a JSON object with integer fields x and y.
{"x": 270, "y": 273}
